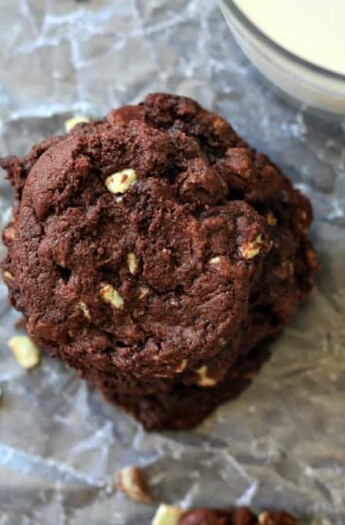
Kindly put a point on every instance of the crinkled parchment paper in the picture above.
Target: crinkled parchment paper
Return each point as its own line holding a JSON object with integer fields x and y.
{"x": 282, "y": 444}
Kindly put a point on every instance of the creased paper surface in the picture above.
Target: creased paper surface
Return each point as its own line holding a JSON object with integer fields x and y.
{"x": 282, "y": 444}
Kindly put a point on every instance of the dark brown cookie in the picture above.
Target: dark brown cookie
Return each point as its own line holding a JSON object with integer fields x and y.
{"x": 153, "y": 251}
{"x": 240, "y": 516}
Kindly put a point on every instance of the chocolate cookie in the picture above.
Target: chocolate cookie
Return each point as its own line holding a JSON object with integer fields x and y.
{"x": 236, "y": 516}
{"x": 240, "y": 516}
{"x": 155, "y": 252}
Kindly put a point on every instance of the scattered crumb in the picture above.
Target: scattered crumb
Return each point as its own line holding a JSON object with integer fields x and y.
{"x": 131, "y": 482}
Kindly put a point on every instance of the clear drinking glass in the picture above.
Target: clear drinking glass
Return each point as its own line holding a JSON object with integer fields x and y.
{"x": 301, "y": 80}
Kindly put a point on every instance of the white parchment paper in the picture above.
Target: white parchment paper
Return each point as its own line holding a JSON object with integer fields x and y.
{"x": 282, "y": 444}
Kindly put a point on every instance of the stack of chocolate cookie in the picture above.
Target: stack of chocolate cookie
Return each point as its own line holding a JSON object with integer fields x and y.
{"x": 157, "y": 253}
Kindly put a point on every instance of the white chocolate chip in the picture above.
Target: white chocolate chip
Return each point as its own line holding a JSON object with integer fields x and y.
{"x": 143, "y": 292}
{"x": 252, "y": 249}
{"x": 131, "y": 482}
{"x": 74, "y": 121}
{"x": 214, "y": 260}
{"x": 181, "y": 367}
{"x": 84, "y": 308}
{"x": 132, "y": 263}
{"x": 167, "y": 515}
{"x": 9, "y": 276}
{"x": 25, "y": 351}
{"x": 204, "y": 380}
{"x": 111, "y": 296}
{"x": 121, "y": 181}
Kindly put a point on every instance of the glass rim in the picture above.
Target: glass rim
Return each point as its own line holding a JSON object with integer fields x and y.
{"x": 261, "y": 35}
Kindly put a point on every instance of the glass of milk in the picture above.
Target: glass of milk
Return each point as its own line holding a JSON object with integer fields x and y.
{"x": 298, "y": 44}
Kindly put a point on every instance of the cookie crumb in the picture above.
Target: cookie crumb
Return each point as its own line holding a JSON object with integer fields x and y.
{"x": 131, "y": 482}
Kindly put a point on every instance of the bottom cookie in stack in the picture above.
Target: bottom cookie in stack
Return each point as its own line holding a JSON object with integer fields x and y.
{"x": 185, "y": 406}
